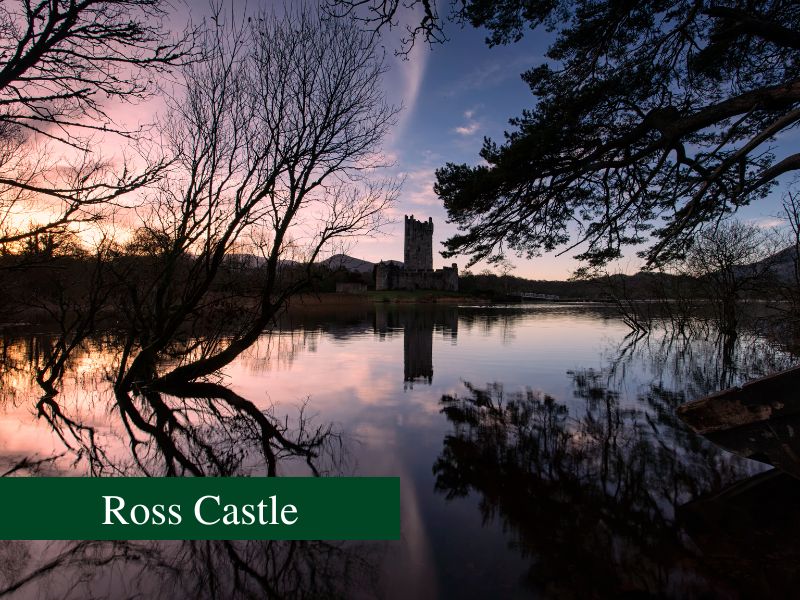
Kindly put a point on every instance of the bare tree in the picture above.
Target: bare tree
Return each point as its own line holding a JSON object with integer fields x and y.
{"x": 730, "y": 261}
{"x": 791, "y": 214}
{"x": 64, "y": 64}
{"x": 63, "y": 60}
{"x": 273, "y": 142}
{"x": 276, "y": 136}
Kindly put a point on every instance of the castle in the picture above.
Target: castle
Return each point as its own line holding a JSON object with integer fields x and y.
{"x": 417, "y": 272}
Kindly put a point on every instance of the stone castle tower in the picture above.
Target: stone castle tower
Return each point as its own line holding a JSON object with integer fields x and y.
{"x": 418, "y": 255}
{"x": 417, "y": 271}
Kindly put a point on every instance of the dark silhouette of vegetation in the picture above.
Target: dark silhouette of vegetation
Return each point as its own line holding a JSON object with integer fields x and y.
{"x": 272, "y": 172}
{"x": 787, "y": 326}
{"x": 652, "y": 121}
{"x": 725, "y": 269}
{"x": 730, "y": 262}
{"x": 275, "y": 169}
{"x": 257, "y": 170}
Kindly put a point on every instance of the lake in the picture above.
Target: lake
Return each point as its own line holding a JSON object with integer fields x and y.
{"x": 537, "y": 445}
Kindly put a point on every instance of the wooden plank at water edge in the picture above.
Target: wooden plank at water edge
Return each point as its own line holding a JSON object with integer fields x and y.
{"x": 762, "y": 399}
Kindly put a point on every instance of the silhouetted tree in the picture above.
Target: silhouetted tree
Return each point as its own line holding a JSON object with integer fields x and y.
{"x": 790, "y": 291}
{"x": 63, "y": 66}
{"x": 276, "y": 137}
{"x": 377, "y": 14}
{"x": 729, "y": 261}
{"x": 652, "y": 119}
{"x": 273, "y": 139}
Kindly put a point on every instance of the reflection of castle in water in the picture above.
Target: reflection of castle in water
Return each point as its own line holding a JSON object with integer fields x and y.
{"x": 418, "y": 348}
{"x": 418, "y": 325}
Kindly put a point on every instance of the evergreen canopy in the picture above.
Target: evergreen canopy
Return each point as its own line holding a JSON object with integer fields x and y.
{"x": 652, "y": 120}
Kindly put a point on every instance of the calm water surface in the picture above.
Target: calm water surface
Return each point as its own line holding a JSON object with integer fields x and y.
{"x": 538, "y": 450}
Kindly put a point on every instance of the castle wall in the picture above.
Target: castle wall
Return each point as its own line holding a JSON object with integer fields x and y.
{"x": 392, "y": 277}
{"x": 382, "y": 276}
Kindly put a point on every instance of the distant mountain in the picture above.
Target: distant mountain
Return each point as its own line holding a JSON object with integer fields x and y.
{"x": 338, "y": 261}
{"x": 350, "y": 263}
{"x": 780, "y": 264}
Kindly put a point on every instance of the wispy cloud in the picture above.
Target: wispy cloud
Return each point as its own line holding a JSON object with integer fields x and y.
{"x": 418, "y": 188}
{"x": 467, "y": 129}
{"x": 403, "y": 83}
{"x": 471, "y": 126}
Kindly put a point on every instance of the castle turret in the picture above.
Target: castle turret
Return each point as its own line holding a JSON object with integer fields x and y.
{"x": 418, "y": 255}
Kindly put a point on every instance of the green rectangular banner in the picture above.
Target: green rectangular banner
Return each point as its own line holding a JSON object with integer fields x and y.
{"x": 200, "y": 508}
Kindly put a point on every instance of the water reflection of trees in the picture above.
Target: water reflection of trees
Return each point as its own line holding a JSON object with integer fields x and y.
{"x": 189, "y": 569}
{"x": 697, "y": 363}
{"x": 193, "y": 428}
{"x": 111, "y": 424}
{"x": 589, "y": 488}
{"x": 183, "y": 427}
{"x": 198, "y": 428}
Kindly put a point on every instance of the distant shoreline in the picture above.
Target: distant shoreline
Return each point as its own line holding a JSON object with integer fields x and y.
{"x": 39, "y": 320}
